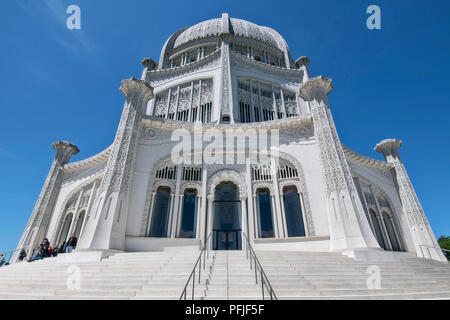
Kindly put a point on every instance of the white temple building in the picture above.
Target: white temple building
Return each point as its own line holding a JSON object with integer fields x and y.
{"x": 154, "y": 190}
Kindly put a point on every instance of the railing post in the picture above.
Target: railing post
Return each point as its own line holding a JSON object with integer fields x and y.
{"x": 256, "y": 274}
{"x": 193, "y": 286}
{"x": 200, "y": 270}
{"x": 262, "y": 285}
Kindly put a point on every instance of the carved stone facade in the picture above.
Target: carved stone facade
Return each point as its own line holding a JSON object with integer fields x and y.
{"x": 219, "y": 77}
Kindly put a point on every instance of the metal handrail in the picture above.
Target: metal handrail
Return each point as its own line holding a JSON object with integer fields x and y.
{"x": 257, "y": 265}
{"x": 428, "y": 249}
{"x": 205, "y": 253}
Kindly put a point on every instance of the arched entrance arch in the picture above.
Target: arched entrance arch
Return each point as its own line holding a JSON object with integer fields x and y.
{"x": 227, "y": 214}
{"x": 227, "y": 222}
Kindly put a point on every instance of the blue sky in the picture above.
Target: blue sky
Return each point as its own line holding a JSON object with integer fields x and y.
{"x": 60, "y": 84}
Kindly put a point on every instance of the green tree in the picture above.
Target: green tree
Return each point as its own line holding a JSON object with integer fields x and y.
{"x": 444, "y": 243}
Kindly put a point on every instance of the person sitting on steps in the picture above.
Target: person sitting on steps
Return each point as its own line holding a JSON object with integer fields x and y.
{"x": 71, "y": 243}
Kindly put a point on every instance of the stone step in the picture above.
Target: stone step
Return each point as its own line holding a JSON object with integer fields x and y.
{"x": 96, "y": 292}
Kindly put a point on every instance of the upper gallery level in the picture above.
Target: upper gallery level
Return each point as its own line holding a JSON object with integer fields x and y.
{"x": 226, "y": 70}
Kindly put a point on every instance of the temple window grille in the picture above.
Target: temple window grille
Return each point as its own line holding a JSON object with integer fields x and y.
{"x": 191, "y": 174}
{"x": 287, "y": 172}
{"x": 189, "y": 102}
{"x": 263, "y": 172}
{"x": 167, "y": 173}
{"x": 261, "y": 101}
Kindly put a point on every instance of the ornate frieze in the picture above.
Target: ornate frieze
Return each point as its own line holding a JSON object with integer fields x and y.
{"x": 158, "y": 77}
{"x": 292, "y": 76}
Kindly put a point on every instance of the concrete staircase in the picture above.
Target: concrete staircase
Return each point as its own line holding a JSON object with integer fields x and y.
{"x": 308, "y": 275}
{"x": 227, "y": 275}
{"x": 230, "y": 278}
{"x": 157, "y": 275}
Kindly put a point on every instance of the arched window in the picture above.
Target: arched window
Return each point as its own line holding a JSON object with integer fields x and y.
{"x": 189, "y": 215}
{"x": 293, "y": 211}
{"x": 377, "y": 229}
{"x": 392, "y": 231}
{"x": 265, "y": 216}
{"x": 160, "y": 216}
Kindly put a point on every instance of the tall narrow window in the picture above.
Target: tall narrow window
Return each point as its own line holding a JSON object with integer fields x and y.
{"x": 391, "y": 230}
{"x": 79, "y": 225}
{"x": 377, "y": 229}
{"x": 160, "y": 217}
{"x": 293, "y": 209}
{"x": 189, "y": 215}
{"x": 265, "y": 221}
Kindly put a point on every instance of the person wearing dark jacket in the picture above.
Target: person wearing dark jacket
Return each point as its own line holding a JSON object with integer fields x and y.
{"x": 71, "y": 243}
{"x": 22, "y": 255}
{"x": 62, "y": 248}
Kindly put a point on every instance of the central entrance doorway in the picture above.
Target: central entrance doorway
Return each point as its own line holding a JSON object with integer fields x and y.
{"x": 227, "y": 218}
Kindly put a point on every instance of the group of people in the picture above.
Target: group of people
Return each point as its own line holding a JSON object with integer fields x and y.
{"x": 45, "y": 250}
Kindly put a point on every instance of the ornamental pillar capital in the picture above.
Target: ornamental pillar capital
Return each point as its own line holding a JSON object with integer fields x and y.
{"x": 148, "y": 64}
{"x": 64, "y": 150}
{"x": 389, "y": 149}
{"x": 316, "y": 88}
{"x": 137, "y": 92}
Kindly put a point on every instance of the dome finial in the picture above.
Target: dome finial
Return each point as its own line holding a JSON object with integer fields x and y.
{"x": 225, "y": 23}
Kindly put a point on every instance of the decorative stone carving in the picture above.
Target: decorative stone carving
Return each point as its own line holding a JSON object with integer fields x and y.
{"x": 228, "y": 175}
{"x": 408, "y": 196}
{"x": 43, "y": 208}
{"x": 226, "y": 104}
{"x": 137, "y": 94}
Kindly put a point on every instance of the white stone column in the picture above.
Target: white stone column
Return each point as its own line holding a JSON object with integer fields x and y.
{"x": 150, "y": 214}
{"x": 199, "y": 101}
{"x": 244, "y": 219}
{"x": 175, "y": 212}
{"x": 191, "y": 103}
{"x": 261, "y": 112}
{"x": 203, "y": 214}
{"x": 75, "y": 214}
{"x": 283, "y": 102}
{"x": 423, "y": 236}
{"x": 198, "y": 212}
{"x": 171, "y": 216}
{"x": 252, "y": 108}
{"x": 175, "y": 117}
{"x": 250, "y": 212}
{"x": 283, "y": 228}
{"x": 179, "y": 216}
{"x": 274, "y": 104}
{"x": 277, "y": 208}
{"x": 168, "y": 103}
{"x": 209, "y": 218}
{"x": 347, "y": 224}
{"x": 276, "y": 233}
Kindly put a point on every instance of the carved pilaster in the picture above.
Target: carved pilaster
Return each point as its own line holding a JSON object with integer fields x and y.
{"x": 43, "y": 208}
{"x": 349, "y": 228}
{"x": 137, "y": 94}
{"x": 421, "y": 231}
{"x": 116, "y": 180}
{"x": 226, "y": 100}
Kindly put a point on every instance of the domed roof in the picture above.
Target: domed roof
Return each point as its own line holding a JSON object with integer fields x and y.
{"x": 217, "y": 27}
{"x": 238, "y": 27}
